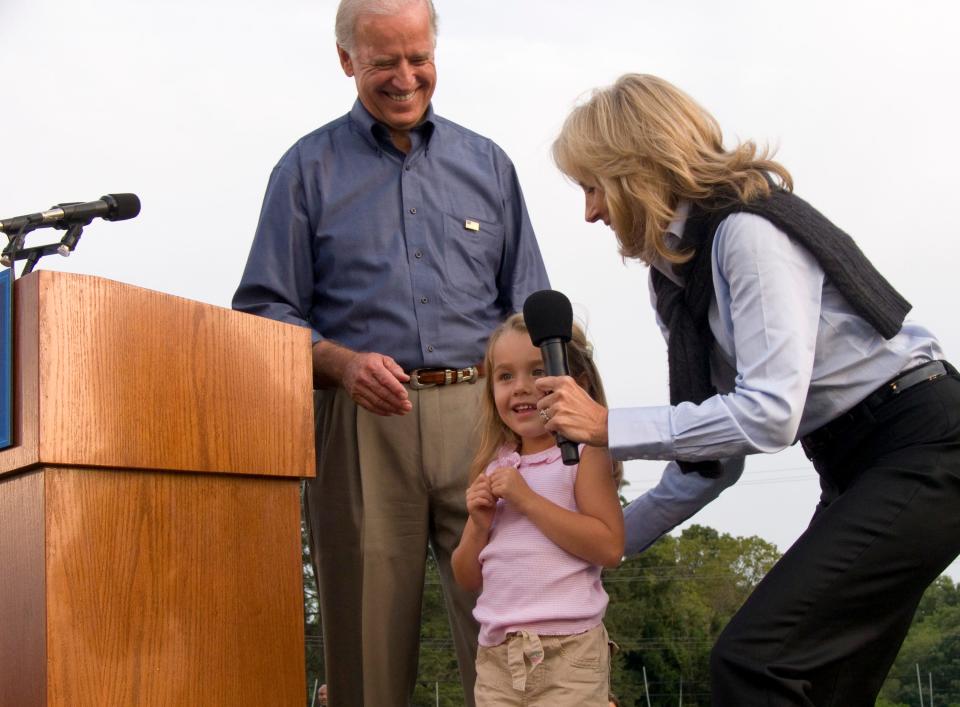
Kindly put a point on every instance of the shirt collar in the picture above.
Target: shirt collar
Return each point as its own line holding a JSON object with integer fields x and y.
{"x": 675, "y": 229}
{"x": 373, "y": 131}
{"x": 672, "y": 239}
{"x": 510, "y": 457}
{"x": 547, "y": 456}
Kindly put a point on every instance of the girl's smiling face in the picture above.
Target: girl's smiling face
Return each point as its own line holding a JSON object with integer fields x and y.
{"x": 517, "y": 363}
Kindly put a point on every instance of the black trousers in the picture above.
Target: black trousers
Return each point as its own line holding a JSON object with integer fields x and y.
{"x": 825, "y": 624}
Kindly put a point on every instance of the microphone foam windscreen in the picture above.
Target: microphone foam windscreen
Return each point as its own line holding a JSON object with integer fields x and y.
{"x": 548, "y": 315}
{"x": 122, "y": 206}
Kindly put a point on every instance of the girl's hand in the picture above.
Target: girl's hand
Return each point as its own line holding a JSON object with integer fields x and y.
{"x": 481, "y": 503}
{"x": 506, "y": 482}
{"x": 465, "y": 561}
{"x": 572, "y": 412}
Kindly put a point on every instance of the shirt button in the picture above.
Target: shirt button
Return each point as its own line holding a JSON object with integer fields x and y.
{"x": 418, "y": 254}
{"x": 407, "y": 168}
{"x": 430, "y": 349}
{"x": 413, "y": 211}
{"x": 423, "y": 300}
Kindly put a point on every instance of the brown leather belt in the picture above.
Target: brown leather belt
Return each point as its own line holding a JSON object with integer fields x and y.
{"x": 430, "y": 377}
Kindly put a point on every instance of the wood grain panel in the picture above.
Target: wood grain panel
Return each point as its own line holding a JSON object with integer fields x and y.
{"x": 134, "y": 378}
{"x": 22, "y": 592}
{"x": 173, "y": 589}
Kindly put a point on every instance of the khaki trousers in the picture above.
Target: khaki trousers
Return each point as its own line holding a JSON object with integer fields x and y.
{"x": 386, "y": 488}
{"x": 530, "y": 670}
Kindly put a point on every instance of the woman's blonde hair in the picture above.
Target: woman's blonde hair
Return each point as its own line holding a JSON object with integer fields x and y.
{"x": 494, "y": 433}
{"x": 648, "y": 146}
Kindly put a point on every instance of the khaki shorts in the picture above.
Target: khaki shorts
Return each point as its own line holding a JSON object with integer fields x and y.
{"x": 545, "y": 671}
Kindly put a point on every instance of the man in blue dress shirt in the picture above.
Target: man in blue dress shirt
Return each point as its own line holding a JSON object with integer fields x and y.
{"x": 400, "y": 239}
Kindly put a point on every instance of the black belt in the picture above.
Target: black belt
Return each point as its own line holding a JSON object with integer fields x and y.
{"x": 817, "y": 440}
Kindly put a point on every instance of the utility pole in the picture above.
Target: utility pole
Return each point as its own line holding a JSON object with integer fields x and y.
{"x": 919, "y": 685}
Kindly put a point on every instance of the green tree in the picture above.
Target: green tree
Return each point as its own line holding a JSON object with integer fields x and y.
{"x": 668, "y": 605}
{"x": 312, "y": 629}
{"x": 438, "y": 677}
{"x": 933, "y": 644}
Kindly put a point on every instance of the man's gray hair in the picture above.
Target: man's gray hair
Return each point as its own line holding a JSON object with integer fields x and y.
{"x": 350, "y": 10}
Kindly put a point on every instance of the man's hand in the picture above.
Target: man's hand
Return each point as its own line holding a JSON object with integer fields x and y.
{"x": 374, "y": 381}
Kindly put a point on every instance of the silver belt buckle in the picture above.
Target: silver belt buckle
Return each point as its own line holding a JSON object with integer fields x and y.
{"x": 469, "y": 374}
{"x": 927, "y": 372}
{"x": 415, "y": 380}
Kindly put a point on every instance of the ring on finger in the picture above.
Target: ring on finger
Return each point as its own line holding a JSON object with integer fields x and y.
{"x": 544, "y": 415}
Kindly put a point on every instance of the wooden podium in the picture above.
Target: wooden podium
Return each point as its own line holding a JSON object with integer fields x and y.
{"x": 149, "y": 507}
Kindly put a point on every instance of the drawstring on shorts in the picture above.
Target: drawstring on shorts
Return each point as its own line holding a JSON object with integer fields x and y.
{"x": 523, "y": 645}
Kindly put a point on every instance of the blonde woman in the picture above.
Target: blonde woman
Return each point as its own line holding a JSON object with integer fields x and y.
{"x": 779, "y": 330}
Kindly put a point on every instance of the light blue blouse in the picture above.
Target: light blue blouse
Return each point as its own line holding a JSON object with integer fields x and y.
{"x": 790, "y": 356}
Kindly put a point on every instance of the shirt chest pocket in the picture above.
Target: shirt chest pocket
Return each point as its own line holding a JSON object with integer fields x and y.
{"x": 473, "y": 252}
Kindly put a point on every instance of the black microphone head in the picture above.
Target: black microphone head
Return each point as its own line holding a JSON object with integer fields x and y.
{"x": 548, "y": 315}
{"x": 122, "y": 206}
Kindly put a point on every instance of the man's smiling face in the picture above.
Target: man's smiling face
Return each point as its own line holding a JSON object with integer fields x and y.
{"x": 392, "y": 64}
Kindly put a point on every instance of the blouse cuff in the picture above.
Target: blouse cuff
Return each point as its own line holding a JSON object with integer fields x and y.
{"x": 640, "y": 433}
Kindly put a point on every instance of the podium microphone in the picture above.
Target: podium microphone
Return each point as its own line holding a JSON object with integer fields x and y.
{"x": 112, "y": 207}
{"x": 549, "y": 319}
{"x": 71, "y": 217}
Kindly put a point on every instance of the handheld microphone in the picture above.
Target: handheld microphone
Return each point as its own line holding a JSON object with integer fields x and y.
{"x": 549, "y": 319}
{"x": 112, "y": 207}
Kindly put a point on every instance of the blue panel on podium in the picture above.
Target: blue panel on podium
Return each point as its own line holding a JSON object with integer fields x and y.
{"x": 6, "y": 356}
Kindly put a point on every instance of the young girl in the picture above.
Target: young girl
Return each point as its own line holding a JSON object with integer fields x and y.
{"x": 537, "y": 536}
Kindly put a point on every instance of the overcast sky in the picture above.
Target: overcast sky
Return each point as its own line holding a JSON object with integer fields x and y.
{"x": 190, "y": 103}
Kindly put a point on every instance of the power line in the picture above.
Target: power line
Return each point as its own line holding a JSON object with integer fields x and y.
{"x": 749, "y": 482}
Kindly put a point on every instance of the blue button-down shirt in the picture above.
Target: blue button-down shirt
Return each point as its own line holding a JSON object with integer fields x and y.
{"x": 417, "y": 256}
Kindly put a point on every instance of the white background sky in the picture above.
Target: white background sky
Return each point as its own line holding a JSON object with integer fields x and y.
{"x": 190, "y": 103}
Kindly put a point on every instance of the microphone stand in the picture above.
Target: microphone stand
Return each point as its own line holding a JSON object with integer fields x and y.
{"x": 14, "y": 245}
{"x": 15, "y": 250}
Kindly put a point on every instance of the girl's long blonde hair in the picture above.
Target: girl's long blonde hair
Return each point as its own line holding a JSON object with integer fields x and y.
{"x": 648, "y": 146}
{"x": 494, "y": 433}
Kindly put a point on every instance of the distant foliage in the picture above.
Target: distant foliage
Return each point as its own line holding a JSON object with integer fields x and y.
{"x": 933, "y": 645}
{"x": 313, "y": 631}
{"x": 667, "y": 606}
